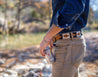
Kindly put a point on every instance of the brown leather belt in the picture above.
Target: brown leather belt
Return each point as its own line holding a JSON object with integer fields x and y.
{"x": 67, "y": 35}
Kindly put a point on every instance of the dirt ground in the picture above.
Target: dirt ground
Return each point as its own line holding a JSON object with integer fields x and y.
{"x": 89, "y": 67}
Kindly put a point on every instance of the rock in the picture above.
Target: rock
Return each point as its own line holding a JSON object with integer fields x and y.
{"x": 2, "y": 62}
{"x": 36, "y": 74}
{"x": 85, "y": 72}
{"x": 1, "y": 70}
{"x": 3, "y": 55}
{"x": 5, "y": 75}
{"x": 90, "y": 73}
{"x": 41, "y": 65}
{"x": 29, "y": 74}
{"x": 11, "y": 64}
{"x": 21, "y": 69}
{"x": 21, "y": 57}
{"x": 11, "y": 73}
{"x": 35, "y": 70}
{"x": 32, "y": 74}
{"x": 92, "y": 47}
{"x": 36, "y": 66}
{"x": 48, "y": 68}
{"x": 82, "y": 67}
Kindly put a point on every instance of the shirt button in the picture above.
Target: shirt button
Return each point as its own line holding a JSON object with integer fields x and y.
{"x": 66, "y": 24}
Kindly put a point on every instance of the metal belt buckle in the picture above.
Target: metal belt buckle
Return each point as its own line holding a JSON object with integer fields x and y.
{"x": 65, "y": 35}
{"x": 78, "y": 34}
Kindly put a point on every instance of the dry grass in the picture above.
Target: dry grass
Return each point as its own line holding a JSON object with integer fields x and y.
{"x": 20, "y": 40}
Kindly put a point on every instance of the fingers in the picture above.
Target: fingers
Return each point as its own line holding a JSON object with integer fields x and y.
{"x": 43, "y": 45}
{"x": 51, "y": 44}
{"x": 41, "y": 50}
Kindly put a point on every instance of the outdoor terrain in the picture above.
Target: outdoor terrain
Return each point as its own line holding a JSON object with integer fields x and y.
{"x": 23, "y": 24}
{"x": 27, "y": 62}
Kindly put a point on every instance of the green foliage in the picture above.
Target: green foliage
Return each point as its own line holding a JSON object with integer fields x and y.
{"x": 0, "y": 9}
{"x": 96, "y": 21}
{"x": 92, "y": 23}
{"x": 91, "y": 16}
{"x": 20, "y": 40}
{"x": 35, "y": 14}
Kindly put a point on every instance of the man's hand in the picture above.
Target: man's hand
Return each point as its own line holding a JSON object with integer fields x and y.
{"x": 43, "y": 45}
{"x": 48, "y": 38}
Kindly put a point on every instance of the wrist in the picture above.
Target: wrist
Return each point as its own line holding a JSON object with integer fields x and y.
{"x": 46, "y": 39}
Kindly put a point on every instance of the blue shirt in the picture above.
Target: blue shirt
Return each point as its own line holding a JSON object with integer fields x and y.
{"x": 71, "y": 15}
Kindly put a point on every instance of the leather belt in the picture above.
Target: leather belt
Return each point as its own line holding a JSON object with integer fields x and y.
{"x": 67, "y": 35}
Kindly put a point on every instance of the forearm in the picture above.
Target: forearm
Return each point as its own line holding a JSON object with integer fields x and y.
{"x": 52, "y": 31}
{"x": 47, "y": 39}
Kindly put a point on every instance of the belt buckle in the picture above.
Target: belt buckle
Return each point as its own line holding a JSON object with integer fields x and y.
{"x": 65, "y": 35}
{"x": 78, "y": 34}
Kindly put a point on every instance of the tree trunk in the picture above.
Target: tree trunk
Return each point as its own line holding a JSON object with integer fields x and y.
{"x": 5, "y": 27}
{"x": 19, "y": 15}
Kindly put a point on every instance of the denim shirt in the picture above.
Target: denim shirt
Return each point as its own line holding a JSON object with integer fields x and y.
{"x": 71, "y": 15}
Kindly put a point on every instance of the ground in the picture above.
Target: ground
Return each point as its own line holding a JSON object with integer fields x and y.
{"x": 21, "y": 61}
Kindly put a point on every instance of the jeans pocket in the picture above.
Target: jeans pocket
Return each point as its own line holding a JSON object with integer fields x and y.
{"x": 78, "y": 52}
{"x": 62, "y": 56}
{"x": 63, "y": 53}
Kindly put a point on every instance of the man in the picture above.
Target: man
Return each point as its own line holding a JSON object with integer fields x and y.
{"x": 69, "y": 17}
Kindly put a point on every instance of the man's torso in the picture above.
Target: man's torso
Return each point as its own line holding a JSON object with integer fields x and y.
{"x": 80, "y": 22}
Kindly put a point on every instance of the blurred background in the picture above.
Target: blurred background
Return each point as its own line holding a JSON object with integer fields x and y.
{"x": 23, "y": 24}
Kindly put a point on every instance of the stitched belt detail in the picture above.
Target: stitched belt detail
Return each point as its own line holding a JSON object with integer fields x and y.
{"x": 67, "y": 35}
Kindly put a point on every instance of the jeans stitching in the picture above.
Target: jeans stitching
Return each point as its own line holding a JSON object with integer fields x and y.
{"x": 64, "y": 61}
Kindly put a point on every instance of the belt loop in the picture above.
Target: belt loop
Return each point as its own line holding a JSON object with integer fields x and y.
{"x": 71, "y": 36}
